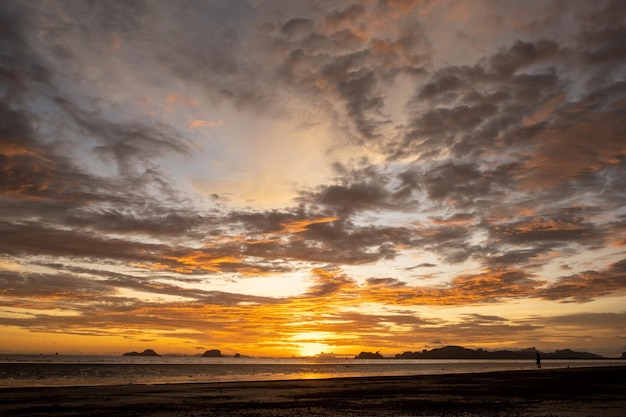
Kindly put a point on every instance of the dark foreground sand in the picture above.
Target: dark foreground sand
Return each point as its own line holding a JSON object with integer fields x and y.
{"x": 541, "y": 392}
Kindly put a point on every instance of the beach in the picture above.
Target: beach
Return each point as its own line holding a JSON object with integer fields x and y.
{"x": 598, "y": 391}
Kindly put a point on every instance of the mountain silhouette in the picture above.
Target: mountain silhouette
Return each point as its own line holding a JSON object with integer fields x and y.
{"x": 147, "y": 352}
{"x": 458, "y": 352}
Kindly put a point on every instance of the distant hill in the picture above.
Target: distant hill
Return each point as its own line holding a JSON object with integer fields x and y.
{"x": 369, "y": 355}
{"x": 147, "y": 352}
{"x": 213, "y": 353}
{"x": 458, "y": 352}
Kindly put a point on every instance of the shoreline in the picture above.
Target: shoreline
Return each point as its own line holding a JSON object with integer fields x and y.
{"x": 82, "y": 374}
{"x": 539, "y": 392}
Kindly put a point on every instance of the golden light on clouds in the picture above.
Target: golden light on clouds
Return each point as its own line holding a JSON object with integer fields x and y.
{"x": 194, "y": 124}
{"x": 315, "y": 180}
{"x": 302, "y": 225}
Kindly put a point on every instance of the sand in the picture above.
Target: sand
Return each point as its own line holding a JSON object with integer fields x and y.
{"x": 539, "y": 392}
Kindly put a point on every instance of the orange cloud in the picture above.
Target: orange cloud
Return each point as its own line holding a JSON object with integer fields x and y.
{"x": 303, "y": 225}
{"x": 544, "y": 225}
{"x": 194, "y": 124}
{"x": 563, "y": 150}
{"x": 349, "y": 17}
{"x": 287, "y": 228}
{"x": 330, "y": 313}
{"x": 403, "y": 7}
{"x": 179, "y": 99}
{"x": 457, "y": 220}
{"x": 252, "y": 272}
{"x": 543, "y": 112}
{"x": 29, "y": 174}
{"x": 332, "y": 286}
{"x": 196, "y": 260}
{"x": 116, "y": 43}
{"x": 485, "y": 287}
{"x": 585, "y": 286}
{"x": 11, "y": 149}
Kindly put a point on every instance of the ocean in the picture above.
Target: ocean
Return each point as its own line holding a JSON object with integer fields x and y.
{"x": 65, "y": 370}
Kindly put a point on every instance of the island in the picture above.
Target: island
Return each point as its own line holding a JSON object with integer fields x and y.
{"x": 369, "y": 355}
{"x": 213, "y": 353}
{"x": 147, "y": 352}
{"x": 459, "y": 352}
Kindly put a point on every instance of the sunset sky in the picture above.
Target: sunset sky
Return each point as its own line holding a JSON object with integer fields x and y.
{"x": 280, "y": 177}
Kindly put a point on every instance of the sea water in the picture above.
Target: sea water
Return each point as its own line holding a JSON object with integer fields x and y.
{"x": 65, "y": 370}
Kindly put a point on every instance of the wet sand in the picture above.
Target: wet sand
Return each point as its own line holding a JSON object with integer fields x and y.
{"x": 538, "y": 392}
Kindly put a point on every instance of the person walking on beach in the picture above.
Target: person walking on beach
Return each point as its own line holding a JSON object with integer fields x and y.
{"x": 538, "y": 360}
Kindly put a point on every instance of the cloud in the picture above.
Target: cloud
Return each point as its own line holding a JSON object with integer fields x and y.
{"x": 522, "y": 55}
{"x": 21, "y": 67}
{"x": 386, "y": 282}
{"x": 218, "y": 312}
{"x": 44, "y": 287}
{"x": 563, "y": 226}
{"x": 328, "y": 284}
{"x": 603, "y": 320}
{"x": 37, "y": 240}
{"x": 347, "y": 58}
{"x": 193, "y": 124}
{"x": 297, "y": 27}
{"x": 491, "y": 168}
{"x": 587, "y": 285}
{"x": 128, "y": 144}
{"x": 563, "y": 152}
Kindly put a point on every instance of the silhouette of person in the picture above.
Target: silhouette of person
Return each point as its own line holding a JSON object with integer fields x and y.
{"x": 538, "y": 360}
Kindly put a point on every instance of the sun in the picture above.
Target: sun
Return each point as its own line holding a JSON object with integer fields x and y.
{"x": 312, "y": 348}
{"x": 312, "y": 343}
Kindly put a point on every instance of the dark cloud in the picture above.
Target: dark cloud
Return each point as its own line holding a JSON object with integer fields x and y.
{"x": 297, "y": 27}
{"x": 363, "y": 102}
{"x": 601, "y": 39}
{"x": 587, "y": 285}
{"x": 518, "y": 257}
{"x": 522, "y": 55}
{"x": 66, "y": 287}
{"x": 350, "y": 66}
{"x": 354, "y": 196}
{"x": 465, "y": 184}
{"x": 602, "y": 320}
{"x": 338, "y": 242}
{"x": 131, "y": 145}
{"x": 363, "y": 189}
{"x": 564, "y": 226}
{"x": 450, "y": 242}
{"x": 482, "y": 319}
{"x": 21, "y": 67}
{"x": 38, "y": 169}
{"x": 387, "y": 282}
{"x": 27, "y": 168}
{"x": 422, "y": 265}
{"x": 33, "y": 239}
{"x": 468, "y": 111}
{"x": 328, "y": 284}
{"x": 348, "y": 16}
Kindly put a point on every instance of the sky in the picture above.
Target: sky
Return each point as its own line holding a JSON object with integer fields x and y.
{"x": 286, "y": 178}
